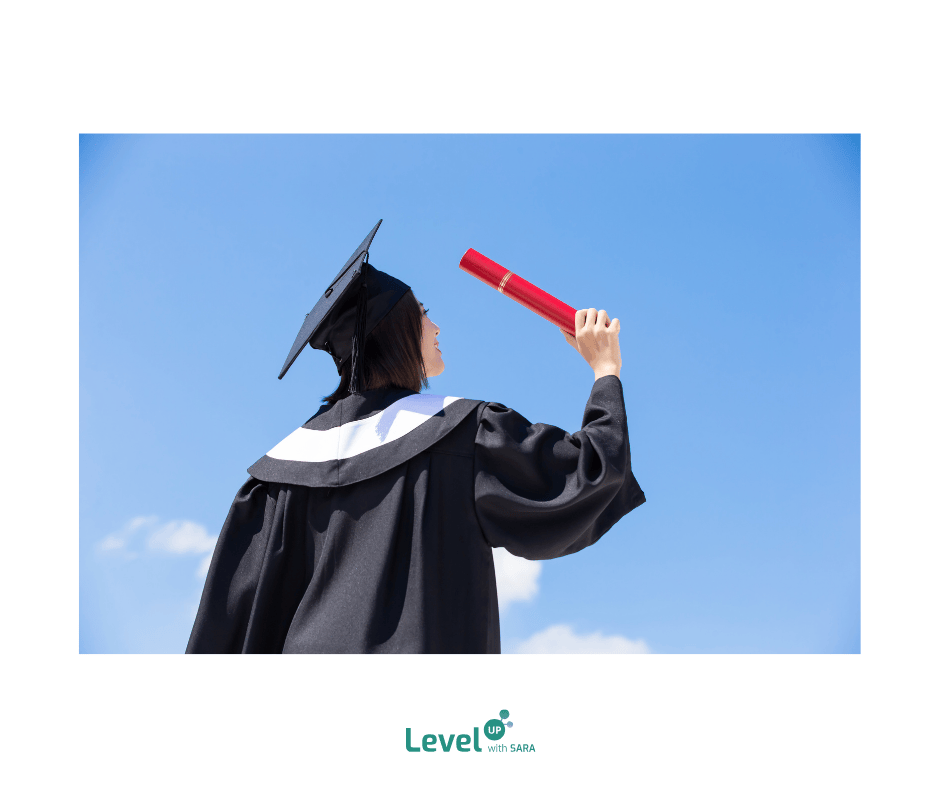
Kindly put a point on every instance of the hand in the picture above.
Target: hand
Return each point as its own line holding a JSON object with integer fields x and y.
{"x": 597, "y": 342}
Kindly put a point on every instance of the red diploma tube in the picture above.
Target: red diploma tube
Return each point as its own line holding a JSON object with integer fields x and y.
{"x": 519, "y": 290}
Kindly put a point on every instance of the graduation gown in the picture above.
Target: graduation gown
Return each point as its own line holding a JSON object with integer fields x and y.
{"x": 371, "y": 528}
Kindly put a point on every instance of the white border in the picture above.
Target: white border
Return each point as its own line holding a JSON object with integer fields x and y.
{"x": 507, "y": 67}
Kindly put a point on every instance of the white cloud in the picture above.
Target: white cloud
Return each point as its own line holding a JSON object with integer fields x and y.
{"x": 139, "y": 522}
{"x": 117, "y": 542}
{"x": 177, "y": 537}
{"x": 181, "y": 536}
{"x": 561, "y": 639}
{"x": 517, "y": 579}
{"x": 112, "y": 542}
{"x": 203, "y": 569}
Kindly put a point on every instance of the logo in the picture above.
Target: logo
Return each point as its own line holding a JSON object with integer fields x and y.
{"x": 494, "y": 730}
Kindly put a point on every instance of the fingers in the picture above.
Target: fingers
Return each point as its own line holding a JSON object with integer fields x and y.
{"x": 585, "y": 319}
{"x": 593, "y": 320}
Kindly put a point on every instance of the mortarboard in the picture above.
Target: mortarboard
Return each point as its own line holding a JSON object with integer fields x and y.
{"x": 354, "y": 303}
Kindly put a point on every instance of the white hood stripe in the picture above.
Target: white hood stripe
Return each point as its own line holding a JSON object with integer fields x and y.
{"x": 357, "y": 437}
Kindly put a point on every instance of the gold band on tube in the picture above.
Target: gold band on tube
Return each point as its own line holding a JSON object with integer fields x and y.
{"x": 505, "y": 279}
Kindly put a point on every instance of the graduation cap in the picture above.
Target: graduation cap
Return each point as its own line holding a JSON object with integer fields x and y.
{"x": 353, "y": 304}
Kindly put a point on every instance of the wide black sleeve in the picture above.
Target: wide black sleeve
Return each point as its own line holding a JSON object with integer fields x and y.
{"x": 542, "y": 493}
{"x": 256, "y": 576}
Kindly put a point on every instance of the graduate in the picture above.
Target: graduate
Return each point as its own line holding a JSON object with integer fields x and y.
{"x": 371, "y": 528}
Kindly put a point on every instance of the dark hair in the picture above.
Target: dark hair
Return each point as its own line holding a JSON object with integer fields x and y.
{"x": 392, "y": 354}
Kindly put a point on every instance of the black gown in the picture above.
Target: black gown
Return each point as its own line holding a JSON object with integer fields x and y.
{"x": 370, "y": 529}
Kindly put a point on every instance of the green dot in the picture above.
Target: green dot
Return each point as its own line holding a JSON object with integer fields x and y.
{"x": 503, "y": 714}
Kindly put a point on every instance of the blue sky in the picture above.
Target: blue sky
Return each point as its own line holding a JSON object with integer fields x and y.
{"x": 731, "y": 261}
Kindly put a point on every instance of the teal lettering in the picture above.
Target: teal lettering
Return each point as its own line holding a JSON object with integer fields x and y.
{"x": 430, "y": 740}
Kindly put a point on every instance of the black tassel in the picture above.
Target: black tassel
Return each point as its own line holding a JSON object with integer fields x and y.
{"x": 358, "y": 345}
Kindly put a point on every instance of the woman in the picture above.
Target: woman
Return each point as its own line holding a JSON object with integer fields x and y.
{"x": 371, "y": 528}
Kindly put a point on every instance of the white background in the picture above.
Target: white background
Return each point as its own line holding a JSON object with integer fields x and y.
{"x": 486, "y": 67}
